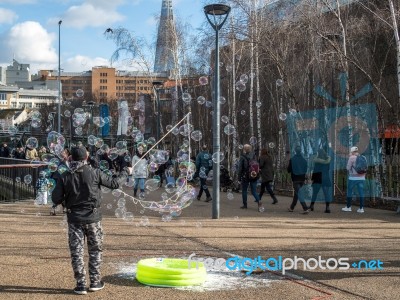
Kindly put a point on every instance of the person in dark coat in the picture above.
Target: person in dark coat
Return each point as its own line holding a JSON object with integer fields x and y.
{"x": 321, "y": 178}
{"x": 267, "y": 174}
{"x": 203, "y": 167}
{"x": 244, "y": 177}
{"x": 4, "y": 150}
{"x": 298, "y": 168}
{"x": 79, "y": 187}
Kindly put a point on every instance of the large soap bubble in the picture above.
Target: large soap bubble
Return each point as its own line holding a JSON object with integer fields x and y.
{"x": 159, "y": 156}
{"x": 91, "y": 140}
{"x": 283, "y": 116}
{"x": 218, "y": 157}
{"x": 55, "y": 142}
{"x": 203, "y": 80}
{"x": 79, "y": 93}
{"x": 240, "y": 86}
{"x": 186, "y": 97}
{"x": 201, "y": 100}
{"x": 196, "y": 135}
{"x": 244, "y": 78}
{"x": 32, "y": 143}
{"x": 229, "y": 129}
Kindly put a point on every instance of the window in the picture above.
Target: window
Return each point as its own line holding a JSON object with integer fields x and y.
{"x": 3, "y": 96}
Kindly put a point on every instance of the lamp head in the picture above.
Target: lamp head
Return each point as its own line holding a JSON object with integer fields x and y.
{"x": 217, "y": 9}
{"x": 217, "y": 14}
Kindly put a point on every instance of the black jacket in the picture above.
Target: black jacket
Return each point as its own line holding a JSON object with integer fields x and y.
{"x": 297, "y": 168}
{"x": 82, "y": 194}
{"x": 266, "y": 168}
{"x": 243, "y": 166}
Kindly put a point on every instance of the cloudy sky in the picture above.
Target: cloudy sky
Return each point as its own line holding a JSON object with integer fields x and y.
{"x": 29, "y": 29}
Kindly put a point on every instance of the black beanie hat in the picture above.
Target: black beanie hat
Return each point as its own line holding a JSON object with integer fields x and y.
{"x": 79, "y": 153}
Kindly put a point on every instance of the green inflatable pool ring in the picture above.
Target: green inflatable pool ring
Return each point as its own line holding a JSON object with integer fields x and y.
{"x": 170, "y": 272}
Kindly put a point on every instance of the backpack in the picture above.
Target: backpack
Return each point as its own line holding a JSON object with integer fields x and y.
{"x": 361, "y": 165}
{"x": 253, "y": 169}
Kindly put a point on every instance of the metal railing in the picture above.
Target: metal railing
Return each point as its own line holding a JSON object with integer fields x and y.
{"x": 18, "y": 179}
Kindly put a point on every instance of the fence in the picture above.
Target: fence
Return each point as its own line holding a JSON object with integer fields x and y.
{"x": 18, "y": 179}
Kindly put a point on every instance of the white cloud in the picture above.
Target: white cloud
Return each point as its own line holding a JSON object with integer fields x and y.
{"x": 7, "y": 16}
{"x": 28, "y": 42}
{"x": 81, "y": 63}
{"x": 92, "y": 13}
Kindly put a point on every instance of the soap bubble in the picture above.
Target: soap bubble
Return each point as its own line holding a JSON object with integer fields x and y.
{"x": 201, "y": 100}
{"x": 258, "y": 104}
{"x": 116, "y": 193}
{"x": 36, "y": 123}
{"x": 242, "y": 112}
{"x": 32, "y": 143}
{"x": 222, "y": 100}
{"x": 159, "y": 156}
{"x": 139, "y": 137}
{"x": 99, "y": 143}
{"x": 121, "y": 202}
{"x": 152, "y": 184}
{"x": 91, "y": 140}
{"x": 209, "y": 104}
{"x": 79, "y": 93}
{"x": 230, "y": 196}
{"x": 203, "y": 80}
{"x": 196, "y": 135}
{"x": 244, "y": 78}
{"x": 279, "y": 82}
{"x": 78, "y": 131}
{"x": 113, "y": 154}
{"x": 186, "y": 97}
{"x": 99, "y": 121}
{"x": 28, "y": 179}
{"x": 55, "y": 142}
{"x": 152, "y": 167}
{"x": 225, "y": 119}
{"x": 67, "y": 113}
{"x": 253, "y": 140}
{"x": 121, "y": 145}
{"x": 282, "y": 116}
{"x": 240, "y": 86}
{"x": 292, "y": 112}
{"x": 229, "y": 129}
{"x": 217, "y": 157}
{"x": 271, "y": 145}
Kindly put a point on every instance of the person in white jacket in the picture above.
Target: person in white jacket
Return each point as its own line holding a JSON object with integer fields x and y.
{"x": 140, "y": 172}
{"x": 355, "y": 180}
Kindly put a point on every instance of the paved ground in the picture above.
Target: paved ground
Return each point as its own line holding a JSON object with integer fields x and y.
{"x": 35, "y": 260}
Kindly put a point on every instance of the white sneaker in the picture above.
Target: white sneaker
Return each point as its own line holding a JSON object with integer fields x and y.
{"x": 360, "y": 210}
{"x": 346, "y": 209}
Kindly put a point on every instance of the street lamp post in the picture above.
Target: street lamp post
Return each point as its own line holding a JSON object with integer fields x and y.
{"x": 216, "y": 15}
{"x": 156, "y": 86}
{"x": 59, "y": 76}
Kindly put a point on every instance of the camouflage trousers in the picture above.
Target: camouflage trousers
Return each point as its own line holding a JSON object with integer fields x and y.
{"x": 76, "y": 238}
